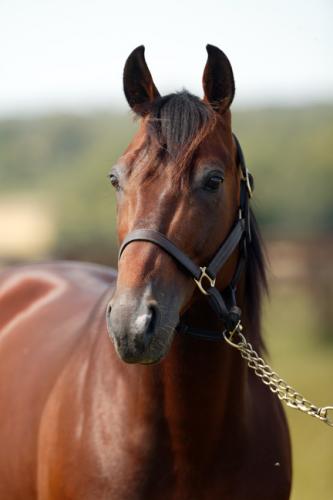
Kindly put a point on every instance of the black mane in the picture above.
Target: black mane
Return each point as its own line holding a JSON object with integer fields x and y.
{"x": 255, "y": 285}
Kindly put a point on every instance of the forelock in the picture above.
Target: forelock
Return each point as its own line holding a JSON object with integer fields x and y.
{"x": 180, "y": 122}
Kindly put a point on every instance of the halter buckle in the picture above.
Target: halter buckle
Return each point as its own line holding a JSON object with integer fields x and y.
{"x": 246, "y": 178}
{"x": 202, "y": 276}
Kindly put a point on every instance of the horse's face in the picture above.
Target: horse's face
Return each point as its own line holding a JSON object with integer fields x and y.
{"x": 178, "y": 177}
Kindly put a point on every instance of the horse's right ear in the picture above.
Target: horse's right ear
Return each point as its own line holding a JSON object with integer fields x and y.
{"x": 218, "y": 80}
{"x": 139, "y": 87}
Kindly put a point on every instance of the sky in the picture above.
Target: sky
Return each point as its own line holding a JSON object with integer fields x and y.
{"x": 69, "y": 54}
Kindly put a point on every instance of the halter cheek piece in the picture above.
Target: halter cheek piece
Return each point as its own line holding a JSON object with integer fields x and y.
{"x": 224, "y": 304}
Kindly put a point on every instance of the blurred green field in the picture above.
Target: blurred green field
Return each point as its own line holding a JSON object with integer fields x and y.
{"x": 59, "y": 163}
{"x": 296, "y": 353}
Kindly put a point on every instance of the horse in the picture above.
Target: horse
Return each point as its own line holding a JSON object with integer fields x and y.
{"x": 118, "y": 385}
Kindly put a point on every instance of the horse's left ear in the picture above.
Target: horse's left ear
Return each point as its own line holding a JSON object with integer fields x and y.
{"x": 139, "y": 86}
{"x": 218, "y": 80}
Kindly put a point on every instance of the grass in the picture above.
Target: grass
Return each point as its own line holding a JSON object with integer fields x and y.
{"x": 299, "y": 355}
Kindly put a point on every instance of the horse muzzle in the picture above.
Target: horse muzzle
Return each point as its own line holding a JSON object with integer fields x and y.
{"x": 134, "y": 322}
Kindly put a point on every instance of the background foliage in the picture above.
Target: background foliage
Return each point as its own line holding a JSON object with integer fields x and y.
{"x": 63, "y": 162}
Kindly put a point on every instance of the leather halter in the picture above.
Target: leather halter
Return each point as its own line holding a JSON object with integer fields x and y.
{"x": 224, "y": 304}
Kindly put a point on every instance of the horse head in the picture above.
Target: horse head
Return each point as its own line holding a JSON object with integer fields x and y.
{"x": 180, "y": 177}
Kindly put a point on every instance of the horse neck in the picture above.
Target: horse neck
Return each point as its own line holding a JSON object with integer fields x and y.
{"x": 205, "y": 382}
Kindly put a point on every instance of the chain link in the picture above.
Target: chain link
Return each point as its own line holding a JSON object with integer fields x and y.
{"x": 277, "y": 385}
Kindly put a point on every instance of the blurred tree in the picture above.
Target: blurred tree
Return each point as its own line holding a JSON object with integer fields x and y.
{"x": 63, "y": 160}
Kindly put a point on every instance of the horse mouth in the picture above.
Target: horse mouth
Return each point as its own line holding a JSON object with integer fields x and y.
{"x": 131, "y": 354}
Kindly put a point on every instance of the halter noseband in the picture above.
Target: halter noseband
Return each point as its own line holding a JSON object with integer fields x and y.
{"x": 224, "y": 304}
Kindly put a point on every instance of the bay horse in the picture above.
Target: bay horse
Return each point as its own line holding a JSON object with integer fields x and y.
{"x": 157, "y": 413}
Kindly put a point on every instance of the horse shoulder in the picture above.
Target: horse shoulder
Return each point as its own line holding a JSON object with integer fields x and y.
{"x": 44, "y": 314}
{"x": 92, "y": 433}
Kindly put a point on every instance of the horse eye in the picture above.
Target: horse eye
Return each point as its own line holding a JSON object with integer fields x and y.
{"x": 213, "y": 182}
{"x": 114, "y": 181}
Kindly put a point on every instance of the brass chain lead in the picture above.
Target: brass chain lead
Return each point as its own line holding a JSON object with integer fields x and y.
{"x": 277, "y": 385}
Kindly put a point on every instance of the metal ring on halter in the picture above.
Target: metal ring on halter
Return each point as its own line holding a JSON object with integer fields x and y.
{"x": 202, "y": 276}
{"x": 228, "y": 336}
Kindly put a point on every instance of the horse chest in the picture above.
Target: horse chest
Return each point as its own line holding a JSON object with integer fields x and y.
{"x": 149, "y": 460}
{"x": 141, "y": 464}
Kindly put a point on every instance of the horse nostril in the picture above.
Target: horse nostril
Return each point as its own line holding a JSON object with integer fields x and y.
{"x": 153, "y": 310}
{"x": 108, "y": 319}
